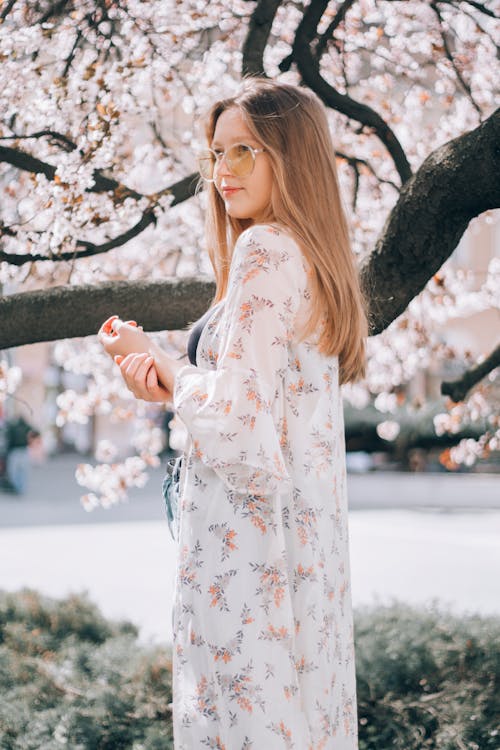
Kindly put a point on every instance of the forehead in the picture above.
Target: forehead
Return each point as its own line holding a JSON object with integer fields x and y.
{"x": 231, "y": 127}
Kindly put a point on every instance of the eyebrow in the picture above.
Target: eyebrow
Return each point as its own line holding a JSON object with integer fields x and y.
{"x": 241, "y": 139}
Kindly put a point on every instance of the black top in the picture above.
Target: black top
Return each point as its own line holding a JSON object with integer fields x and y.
{"x": 195, "y": 334}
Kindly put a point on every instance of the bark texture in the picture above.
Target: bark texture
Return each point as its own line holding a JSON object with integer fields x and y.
{"x": 457, "y": 182}
{"x": 255, "y": 43}
{"x": 72, "y": 311}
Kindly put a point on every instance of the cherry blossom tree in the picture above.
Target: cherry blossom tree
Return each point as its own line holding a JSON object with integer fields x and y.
{"x": 101, "y": 105}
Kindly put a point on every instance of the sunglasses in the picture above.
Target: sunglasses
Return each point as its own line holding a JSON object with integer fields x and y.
{"x": 240, "y": 160}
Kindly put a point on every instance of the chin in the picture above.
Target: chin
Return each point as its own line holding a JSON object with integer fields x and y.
{"x": 241, "y": 215}
{"x": 244, "y": 215}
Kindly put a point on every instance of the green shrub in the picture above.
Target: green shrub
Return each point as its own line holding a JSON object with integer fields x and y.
{"x": 69, "y": 678}
{"x": 427, "y": 679}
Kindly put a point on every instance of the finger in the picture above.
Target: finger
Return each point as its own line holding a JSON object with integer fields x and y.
{"x": 141, "y": 378}
{"x": 106, "y": 326}
{"x": 152, "y": 379}
{"x": 157, "y": 390}
{"x": 124, "y": 364}
{"x": 157, "y": 384}
{"x": 127, "y": 358}
{"x": 130, "y": 383}
{"x": 132, "y": 367}
{"x": 131, "y": 323}
{"x": 116, "y": 325}
{"x": 141, "y": 373}
{"x": 108, "y": 321}
{"x": 136, "y": 376}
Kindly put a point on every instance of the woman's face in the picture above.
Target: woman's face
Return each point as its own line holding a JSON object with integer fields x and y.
{"x": 252, "y": 197}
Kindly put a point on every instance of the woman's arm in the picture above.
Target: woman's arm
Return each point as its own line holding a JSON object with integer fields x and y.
{"x": 228, "y": 411}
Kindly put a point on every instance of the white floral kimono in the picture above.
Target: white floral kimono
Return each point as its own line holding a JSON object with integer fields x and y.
{"x": 262, "y": 619}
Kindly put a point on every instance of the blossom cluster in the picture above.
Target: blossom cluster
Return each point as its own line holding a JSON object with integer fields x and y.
{"x": 10, "y": 379}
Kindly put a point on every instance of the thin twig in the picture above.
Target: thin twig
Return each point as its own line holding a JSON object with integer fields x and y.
{"x": 39, "y": 134}
{"x": 5, "y": 12}
{"x": 354, "y": 161}
{"x": 71, "y": 55}
{"x": 458, "y": 389}
{"x": 332, "y": 26}
{"x": 450, "y": 57}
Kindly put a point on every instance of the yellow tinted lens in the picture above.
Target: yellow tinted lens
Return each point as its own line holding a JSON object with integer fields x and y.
{"x": 239, "y": 159}
{"x": 206, "y": 162}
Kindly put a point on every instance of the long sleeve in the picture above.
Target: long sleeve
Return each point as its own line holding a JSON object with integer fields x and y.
{"x": 228, "y": 410}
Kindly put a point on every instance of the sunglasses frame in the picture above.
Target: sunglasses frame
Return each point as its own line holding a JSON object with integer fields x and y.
{"x": 219, "y": 154}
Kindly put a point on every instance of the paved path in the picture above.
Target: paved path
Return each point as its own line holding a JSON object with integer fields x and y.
{"x": 53, "y": 495}
{"x": 128, "y": 568}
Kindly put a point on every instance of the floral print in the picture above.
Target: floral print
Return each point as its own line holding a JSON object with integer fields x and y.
{"x": 263, "y": 632}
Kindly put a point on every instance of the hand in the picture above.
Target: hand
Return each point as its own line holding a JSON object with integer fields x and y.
{"x": 119, "y": 337}
{"x": 141, "y": 377}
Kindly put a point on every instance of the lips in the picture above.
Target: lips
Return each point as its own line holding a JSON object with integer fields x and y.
{"x": 229, "y": 190}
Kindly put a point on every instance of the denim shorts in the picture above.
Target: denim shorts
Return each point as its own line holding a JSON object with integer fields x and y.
{"x": 171, "y": 492}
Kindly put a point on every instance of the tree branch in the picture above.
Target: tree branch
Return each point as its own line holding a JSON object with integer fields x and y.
{"x": 26, "y": 162}
{"x": 71, "y": 311}
{"x": 481, "y": 8}
{"x": 181, "y": 190}
{"x": 53, "y": 10}
{"x": 5, "y": 12}
{"x": 65, "y": 141}
{"x": 71, "y": 56}
{"x": 308, "y": 67}
{"x": 477, "y": 24}
{"x": 332, "y": 26}
{"x": 458, "y": 389}
{"x": 146, "y": 219}
{"x": 457, "y": 182}
{"x": 255, "y": 42}
{"x": 354, "y": 161}
{"x": 465, "y": 86}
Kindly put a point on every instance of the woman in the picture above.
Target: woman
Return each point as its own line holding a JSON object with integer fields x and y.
{"x": 263, "y": 632}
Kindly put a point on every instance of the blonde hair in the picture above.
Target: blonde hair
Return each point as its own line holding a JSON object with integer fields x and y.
{"x": 291, "y": 123}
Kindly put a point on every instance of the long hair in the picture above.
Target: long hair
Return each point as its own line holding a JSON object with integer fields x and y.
{"x": 291, "y": 123}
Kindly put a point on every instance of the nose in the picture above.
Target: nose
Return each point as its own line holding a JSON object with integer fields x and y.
{"x": 218, "y": 168}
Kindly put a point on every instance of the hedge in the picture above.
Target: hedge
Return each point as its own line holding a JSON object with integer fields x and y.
{"x": 71, "y": 679}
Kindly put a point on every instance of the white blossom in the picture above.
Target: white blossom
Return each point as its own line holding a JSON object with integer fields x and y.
{"x": 388, "y": 430}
